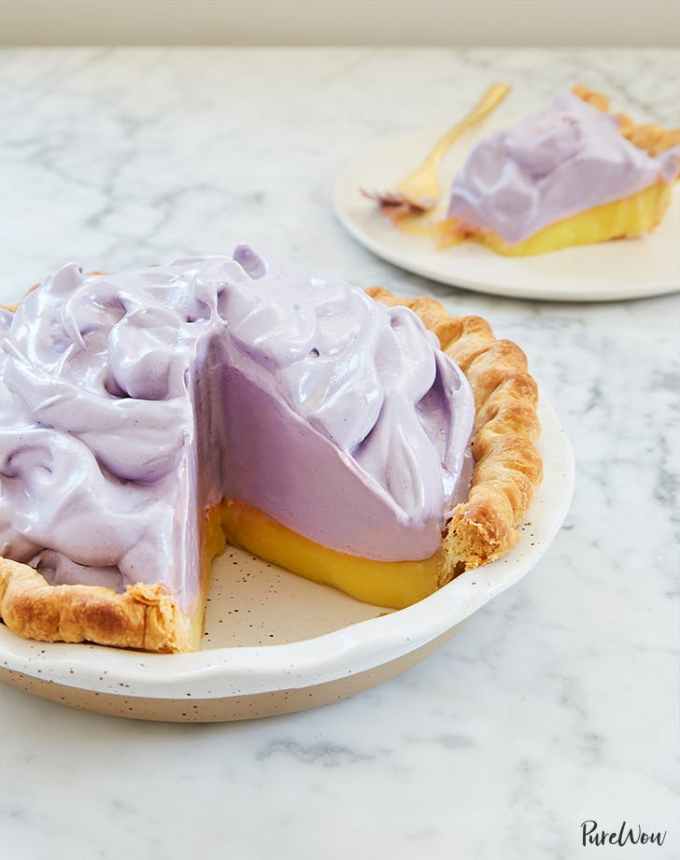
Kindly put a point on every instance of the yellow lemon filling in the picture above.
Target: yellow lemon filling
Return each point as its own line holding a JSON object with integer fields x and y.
{"x": 633, "y": 216}
{"x": 393, "y": 584}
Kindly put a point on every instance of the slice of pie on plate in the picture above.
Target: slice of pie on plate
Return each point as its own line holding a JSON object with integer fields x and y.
{"x": 572, "y": 174}
{"x": 376, "y": 445}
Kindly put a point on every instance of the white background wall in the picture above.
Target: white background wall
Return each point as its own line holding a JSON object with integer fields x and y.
{"x": 329, "y": 22}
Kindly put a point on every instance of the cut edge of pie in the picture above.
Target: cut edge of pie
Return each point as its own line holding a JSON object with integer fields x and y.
{"x": 508, "y": 468}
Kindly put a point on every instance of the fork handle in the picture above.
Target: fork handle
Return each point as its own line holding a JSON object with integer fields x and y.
{"x": 490, "y": 100}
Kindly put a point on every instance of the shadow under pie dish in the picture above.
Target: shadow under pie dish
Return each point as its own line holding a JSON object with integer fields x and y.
{"x": 374, "y": 444}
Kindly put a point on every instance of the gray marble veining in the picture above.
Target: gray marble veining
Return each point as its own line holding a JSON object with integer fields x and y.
{"x": 555, "y": 703}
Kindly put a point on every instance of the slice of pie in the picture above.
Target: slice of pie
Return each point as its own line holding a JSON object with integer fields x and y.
{"x": 147, "y": 417}
{"x": 571, "y": 175}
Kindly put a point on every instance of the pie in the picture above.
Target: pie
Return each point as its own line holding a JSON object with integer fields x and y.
{"x": 149, "y": 417}
{"x": 571, "y": 175}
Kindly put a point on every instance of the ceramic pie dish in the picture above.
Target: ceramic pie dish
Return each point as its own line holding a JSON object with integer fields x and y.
{"x": 326, "y": 646}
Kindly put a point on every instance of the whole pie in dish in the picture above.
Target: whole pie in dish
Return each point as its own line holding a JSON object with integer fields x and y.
{"x": 149, "y": 417}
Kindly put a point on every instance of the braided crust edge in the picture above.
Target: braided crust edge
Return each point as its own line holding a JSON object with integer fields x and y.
{"x": 508, "y": 466}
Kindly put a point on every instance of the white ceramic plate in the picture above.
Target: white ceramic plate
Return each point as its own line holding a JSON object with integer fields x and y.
{"x": 275, "y": 642}
{"x": 611, "y": 270}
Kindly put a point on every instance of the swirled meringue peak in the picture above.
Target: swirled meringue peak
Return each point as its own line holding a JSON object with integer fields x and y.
{"x": 130, "y": 402}
{"x": 550, "y": 166}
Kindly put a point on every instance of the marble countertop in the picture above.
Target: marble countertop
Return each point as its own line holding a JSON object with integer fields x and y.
{"x": 557, "y": 702}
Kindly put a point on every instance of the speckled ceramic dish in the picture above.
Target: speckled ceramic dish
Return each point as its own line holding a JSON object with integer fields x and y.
{"x": 628, "y": 269}
{"x": 275, "y": 643}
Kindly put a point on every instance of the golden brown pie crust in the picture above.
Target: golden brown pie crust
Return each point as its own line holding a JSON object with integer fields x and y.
{"x": 507, "y": 470}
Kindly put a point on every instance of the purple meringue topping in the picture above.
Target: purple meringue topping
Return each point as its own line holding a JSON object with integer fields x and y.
{"x": 132, "y": 401}
{"x": 550, "y": 166}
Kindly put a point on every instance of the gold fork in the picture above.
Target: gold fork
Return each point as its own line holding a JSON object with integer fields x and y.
{"x": 420, "y": 191}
